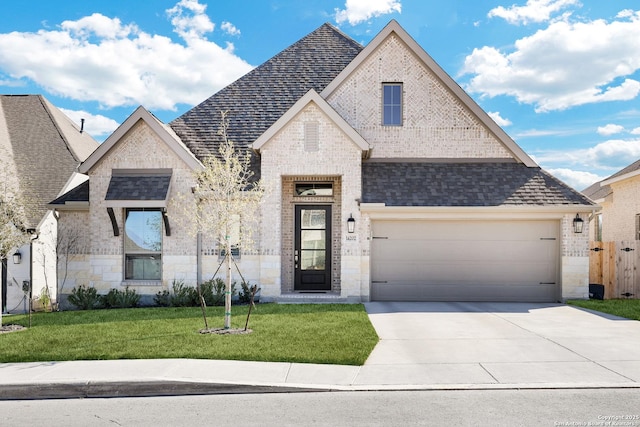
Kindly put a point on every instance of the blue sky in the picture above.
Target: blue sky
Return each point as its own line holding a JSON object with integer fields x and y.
{"x": 562, "y": 77}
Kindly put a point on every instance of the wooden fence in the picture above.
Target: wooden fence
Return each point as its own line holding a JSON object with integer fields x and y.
{"x": 616, "y": 265}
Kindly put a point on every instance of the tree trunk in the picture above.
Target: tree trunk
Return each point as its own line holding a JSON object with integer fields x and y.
{"x": 227, "y": 294}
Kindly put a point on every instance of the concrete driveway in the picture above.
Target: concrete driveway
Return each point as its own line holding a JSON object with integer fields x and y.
{"x": 500, "y": 343}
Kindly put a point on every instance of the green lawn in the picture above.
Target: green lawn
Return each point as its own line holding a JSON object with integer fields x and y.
{"x": 307, "y": 333}
{"x": 629, "y": 308}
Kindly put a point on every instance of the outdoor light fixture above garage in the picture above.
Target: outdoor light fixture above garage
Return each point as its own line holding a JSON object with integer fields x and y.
{"x": 17, "y": 257}
{"x": 578, "y": 223}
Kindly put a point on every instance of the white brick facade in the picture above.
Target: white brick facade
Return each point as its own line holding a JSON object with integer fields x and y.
{"x": 620, "y": 209}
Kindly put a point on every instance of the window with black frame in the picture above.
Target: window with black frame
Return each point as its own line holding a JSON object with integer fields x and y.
{"x": 143, "y": 244}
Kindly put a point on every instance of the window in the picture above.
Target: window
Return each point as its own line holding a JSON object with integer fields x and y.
{"x": 637, "y": 226}
{"x": 598, "y": 230}
{"x": 143, "y": 244}
{"x": 392, "y": 104}
{"x": 314, "y": 189}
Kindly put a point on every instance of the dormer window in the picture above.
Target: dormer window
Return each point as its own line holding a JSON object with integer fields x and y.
{"x": 392, "y": 104}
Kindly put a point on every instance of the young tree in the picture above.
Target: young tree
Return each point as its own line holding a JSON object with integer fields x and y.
{"x": 227, "y": 203}
{"x": 13, "y": 229}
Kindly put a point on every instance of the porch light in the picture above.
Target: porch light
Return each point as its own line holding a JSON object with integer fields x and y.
{"x": 17, "y": 257}
{"x": 351, "y": 224}
{"x": 578, "y": 223}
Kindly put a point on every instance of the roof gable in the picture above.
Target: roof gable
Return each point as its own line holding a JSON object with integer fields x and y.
{"x": 505, "y": 144}
{"x": 602, "y": 189}
{"x": 313, "y": 97}
{"x": 258, "y": 99}
{"x": 43, "y": 148}
{"x": 164, "y": 133}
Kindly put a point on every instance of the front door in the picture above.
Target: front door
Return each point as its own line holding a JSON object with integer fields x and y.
{"x": 4, "y": 285}
{"x": 312, "y": 251}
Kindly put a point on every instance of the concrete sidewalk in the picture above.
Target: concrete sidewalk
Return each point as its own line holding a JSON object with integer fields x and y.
{"x": 424, "y": 346}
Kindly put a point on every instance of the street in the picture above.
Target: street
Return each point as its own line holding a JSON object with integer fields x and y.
{"x": 587, "y": 407}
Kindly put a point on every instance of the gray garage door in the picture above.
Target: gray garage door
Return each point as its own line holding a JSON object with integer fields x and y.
{"x": 465, "y": 261}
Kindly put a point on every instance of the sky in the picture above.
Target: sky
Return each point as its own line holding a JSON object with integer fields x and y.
{"x": 561, "y": 77}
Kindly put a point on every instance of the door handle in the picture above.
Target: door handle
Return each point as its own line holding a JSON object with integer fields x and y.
{"x": 295, "y": 258}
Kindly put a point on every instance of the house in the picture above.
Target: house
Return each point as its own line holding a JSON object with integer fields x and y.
{"x": 387, "y": 182}
{"x": 619, "y": 196}
{"x": 40, "y": 150}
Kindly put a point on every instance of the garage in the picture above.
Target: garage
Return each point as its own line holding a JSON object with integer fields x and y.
{"x": 461, "y": 260}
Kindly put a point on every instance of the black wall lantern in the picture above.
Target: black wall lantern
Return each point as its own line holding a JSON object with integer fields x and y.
{"x": 351, "y": 224}
{"x": 578, "y": 223}
{"x": 17, "y": 257}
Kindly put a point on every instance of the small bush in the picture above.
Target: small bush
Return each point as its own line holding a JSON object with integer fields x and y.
{"x": 163, "y": 298}
{"x": 84, "y": 298}
{"x": 244, "y": 296}
{"x": 183, "y": 295}
{"x": 120, "y": 299}
{"x": 215, "y": 289}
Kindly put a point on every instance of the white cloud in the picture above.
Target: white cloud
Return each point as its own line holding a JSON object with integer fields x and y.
{"x": 98, "y": 58}
{"x": 96, "y": 125}
{"x": 635, "y": 131}
{"x": 548, "y": 69}
{"x": 357, "y": 11}
{"x": 609, "y": 156}
{"x": 610, "y": 129}
{"x": 533, "y": 11}
{"x": 499, "y": 119}
{"x": 229, "y": 28}
{"x": 575, "y": 178}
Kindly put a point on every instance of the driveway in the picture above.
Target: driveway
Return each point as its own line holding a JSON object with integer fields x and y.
{"x": 500, "y": 343}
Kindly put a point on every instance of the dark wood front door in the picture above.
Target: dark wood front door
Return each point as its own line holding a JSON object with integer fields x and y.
{"x": 312, "y": 252}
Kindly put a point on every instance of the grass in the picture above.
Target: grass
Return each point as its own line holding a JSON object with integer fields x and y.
{"x": 305, "y": 333}
{"x": 629, "y": 308}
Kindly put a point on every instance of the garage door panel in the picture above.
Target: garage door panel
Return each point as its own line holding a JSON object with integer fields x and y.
{"x": 482, "y": 261}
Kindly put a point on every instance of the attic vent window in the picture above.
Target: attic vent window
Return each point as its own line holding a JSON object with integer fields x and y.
{"x": 311, "y": 136}
{"x": 392, "y": 104}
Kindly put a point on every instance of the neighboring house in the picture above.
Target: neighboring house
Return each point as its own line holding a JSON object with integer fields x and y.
{"x": 40, "y": 149}
{"x": 619, "y": 196}
{"x": 387, "y": 182}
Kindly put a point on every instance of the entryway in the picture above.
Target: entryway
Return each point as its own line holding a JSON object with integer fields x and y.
{"x": 312, "y": 250}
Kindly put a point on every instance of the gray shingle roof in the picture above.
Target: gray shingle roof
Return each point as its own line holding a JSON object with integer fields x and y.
{"x": 45, "y": 147}
{"x": 597, "y": 191}
{"x": 259, "y": 98}
{"x": 463, "y": 184}
{"x": 76, "y": 194}
{"x": 138, "y": 187}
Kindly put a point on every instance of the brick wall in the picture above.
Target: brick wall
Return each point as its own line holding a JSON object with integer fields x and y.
{"x": 286, "y": 161}
{"x": 435, "y": 123}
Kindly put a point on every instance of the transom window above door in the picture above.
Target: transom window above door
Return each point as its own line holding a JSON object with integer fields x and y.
{"x": 314, "y": 189}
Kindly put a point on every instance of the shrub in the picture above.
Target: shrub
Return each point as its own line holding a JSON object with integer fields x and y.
{"x": 162, "y": 298}
{"x": 84, "y": 298}
{"x": 120, "y": 299}
{"x": 183, "y": 295}
{"x": 244, "y": 296}
{"x": 213, "y": 291}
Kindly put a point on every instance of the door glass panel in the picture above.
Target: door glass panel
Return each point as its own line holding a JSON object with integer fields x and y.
{"x": 312, "y": 239}
{"x": 313, "y": 260}
{"x": 313, "y": 218}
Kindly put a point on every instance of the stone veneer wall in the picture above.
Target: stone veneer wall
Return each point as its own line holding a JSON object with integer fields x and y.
{"x": 284, "y": 159}
{"x": 435, "y": 123}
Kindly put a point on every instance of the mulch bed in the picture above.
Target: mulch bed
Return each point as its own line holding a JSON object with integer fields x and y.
{"x": 4, "y": 329}
{"x": 223, "y": 331}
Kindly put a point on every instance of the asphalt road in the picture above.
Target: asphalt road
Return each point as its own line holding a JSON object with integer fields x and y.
{"x": 579, "y": 407}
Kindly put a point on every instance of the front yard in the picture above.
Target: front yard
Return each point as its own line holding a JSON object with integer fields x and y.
{"x": 304, "y": 333}
{"x": 629, "y": 308}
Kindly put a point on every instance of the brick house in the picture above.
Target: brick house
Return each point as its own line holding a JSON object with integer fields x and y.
{"x": 619, "y": 196}
{"x": 388, "y": 182}
{"x": 40, "y": 149}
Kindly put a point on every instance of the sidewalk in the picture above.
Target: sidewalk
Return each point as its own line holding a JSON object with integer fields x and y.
{"x": 423, "y": 346}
